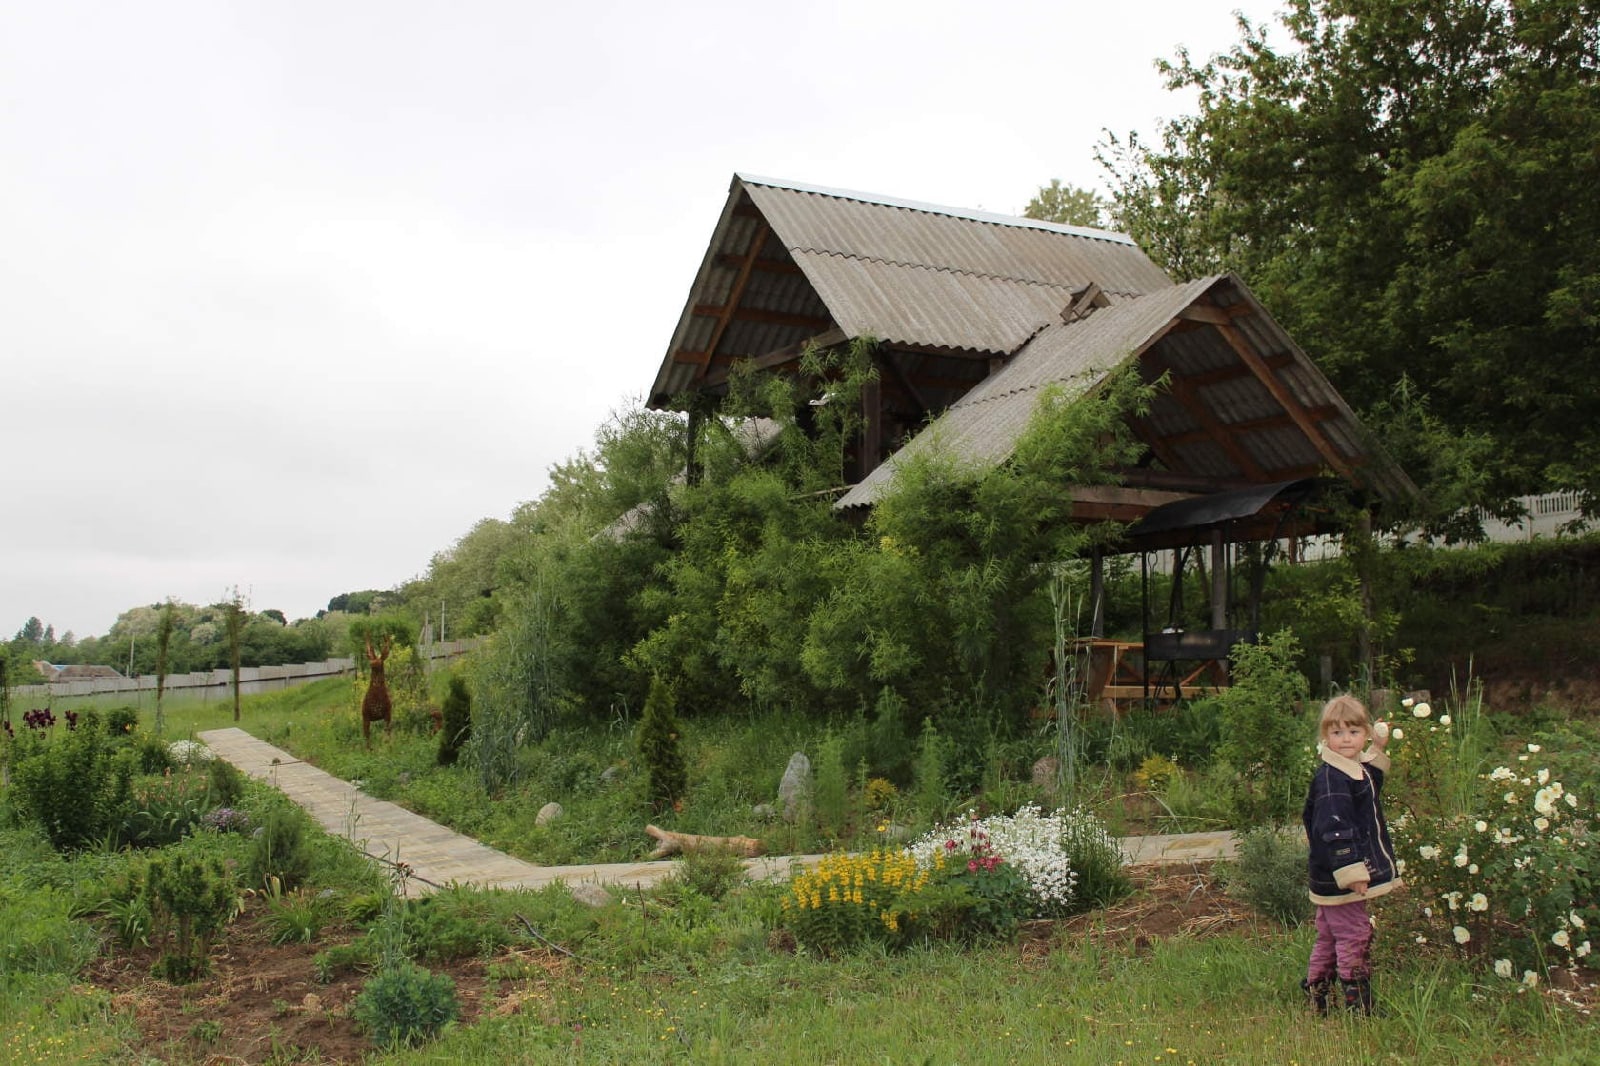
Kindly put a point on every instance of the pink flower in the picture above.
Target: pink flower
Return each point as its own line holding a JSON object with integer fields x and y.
{"x": 972, "y": 865}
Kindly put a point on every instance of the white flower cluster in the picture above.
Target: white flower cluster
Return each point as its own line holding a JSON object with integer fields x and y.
{"x": 189, "y": 752}
{"x": 1029, "y": 840}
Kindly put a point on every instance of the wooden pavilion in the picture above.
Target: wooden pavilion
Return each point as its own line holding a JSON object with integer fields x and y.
{"x": 976, "y": 314}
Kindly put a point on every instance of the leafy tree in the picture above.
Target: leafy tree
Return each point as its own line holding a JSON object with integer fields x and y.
{"x": 1068, "y": 204}
{"x": 1409, "y": 187}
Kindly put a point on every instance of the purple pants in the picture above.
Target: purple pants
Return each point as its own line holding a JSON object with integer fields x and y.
{"x": 1344, "y": 941}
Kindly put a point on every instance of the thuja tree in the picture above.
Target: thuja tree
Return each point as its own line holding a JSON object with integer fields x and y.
{"x": 661, "y": 748}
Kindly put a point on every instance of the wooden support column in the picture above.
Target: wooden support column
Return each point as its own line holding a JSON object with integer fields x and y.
{"x": 871, "y": 426}
{"x": 691, "y": 468}
{"x": 1219, "y": 581}
{"x": 1097, "y": 594}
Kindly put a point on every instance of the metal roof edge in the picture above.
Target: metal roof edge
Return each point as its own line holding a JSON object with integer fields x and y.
{"x": 991, "y": 217}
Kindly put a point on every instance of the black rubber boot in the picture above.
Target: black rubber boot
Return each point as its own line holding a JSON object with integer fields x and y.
{"x": 1317, "y": 993}
{"x": 1358, "y": 995}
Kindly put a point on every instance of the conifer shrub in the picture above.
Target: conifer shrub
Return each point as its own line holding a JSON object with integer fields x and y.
{"x": 280, "y": 852}
{"x": 661, "y": 748}
{"x": 456, "y": 726}
{"x": 406, "y": 1005}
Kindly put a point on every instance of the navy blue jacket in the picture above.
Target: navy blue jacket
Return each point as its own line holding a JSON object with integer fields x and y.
{"x": 1346, "y": 831}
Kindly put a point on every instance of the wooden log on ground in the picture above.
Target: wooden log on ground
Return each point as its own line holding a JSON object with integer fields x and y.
{"x": 670, "y": 843}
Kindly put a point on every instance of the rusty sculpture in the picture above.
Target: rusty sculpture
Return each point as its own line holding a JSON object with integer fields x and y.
{"x": 375, "y": 705}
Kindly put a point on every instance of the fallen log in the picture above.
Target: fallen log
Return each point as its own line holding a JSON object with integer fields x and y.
{"x": 670, "y": 843}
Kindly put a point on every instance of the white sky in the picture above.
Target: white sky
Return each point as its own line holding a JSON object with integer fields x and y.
{"x": 292, "y": 294}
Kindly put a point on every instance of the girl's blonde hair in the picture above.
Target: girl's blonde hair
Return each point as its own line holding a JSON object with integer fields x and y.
{"x": 1345, "y": 711}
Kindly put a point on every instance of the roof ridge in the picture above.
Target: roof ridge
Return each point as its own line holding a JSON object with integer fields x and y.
{"x": 993, "y": 218}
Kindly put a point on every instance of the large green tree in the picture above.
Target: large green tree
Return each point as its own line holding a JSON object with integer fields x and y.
{"x": 1409, "y": 186}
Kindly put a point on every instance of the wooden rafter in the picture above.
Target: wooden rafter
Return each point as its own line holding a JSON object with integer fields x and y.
{"x": 778, "y": 357}
{"x": 740, "y": 280}
{"x": 1277, "y": 421}
{"x": 1213, "y": 429}
{"x": 1280, "y": 392}
{"x": 732, "y": 310}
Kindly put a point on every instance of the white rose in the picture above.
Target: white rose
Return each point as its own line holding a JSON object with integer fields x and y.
{"x": 1535, "y": 749}
{"x": 1481, "y": 826}
{"x": 1398, "y": 733}
{"x": 1428, "y": 851}
{"x": 1444, "y": 719}
{"x": 1530, "y": 978}
{"x": 1502, "y": 967}
{"x": 1408, "y": 701}
{"x": 1380, "y": 730}
{"x": 1461, "y": 934}
{"x": 1560, "y": 939}
{"x": 1479, "y": 902}
{"x": 1421, "y": 710}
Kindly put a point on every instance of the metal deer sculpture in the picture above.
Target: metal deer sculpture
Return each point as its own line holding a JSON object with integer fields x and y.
{"x": 375, "y": 705}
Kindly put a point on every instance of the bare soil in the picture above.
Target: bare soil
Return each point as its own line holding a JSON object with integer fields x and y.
{"x": 262, "y": 1002}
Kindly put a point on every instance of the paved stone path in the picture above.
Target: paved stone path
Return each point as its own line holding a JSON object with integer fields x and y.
{"x": 439, "y": 856}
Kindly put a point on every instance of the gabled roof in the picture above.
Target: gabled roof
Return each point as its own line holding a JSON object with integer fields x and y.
{"x": 1244, "y": 405}
{"x": 791, "y": 262}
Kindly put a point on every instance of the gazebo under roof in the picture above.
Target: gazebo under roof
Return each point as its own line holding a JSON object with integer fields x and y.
{"x": 975, "y": 314}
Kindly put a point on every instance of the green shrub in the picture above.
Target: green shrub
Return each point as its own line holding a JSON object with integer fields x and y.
{"x": 830, "y": 795}
{"x": 296, "y": 917}
{"x": 121, "y": 721}
{"x": 73, "y": 785}
{"x": 931, "y": 796}
{"x": 333, "y": 962}
{"x": 151, "y": 753}
{"x": 191, "y": 899}
{"x": 1270, "y": 874}
{"x": 163, "y": 809}
{"x": 712, "y": 873}
{"x": 661, "y": 748}
{"x": 456, "y": 726}
{"x": 1096, "y": 857}
{"x": 225, "y": 783}
{"x": 280, "y": 852}
{"x": 1264, "y": 731}
{"x": 406, "y": 1006}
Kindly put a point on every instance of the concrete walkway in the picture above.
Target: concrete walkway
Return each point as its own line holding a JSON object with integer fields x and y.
{"x": 438, "y": 856}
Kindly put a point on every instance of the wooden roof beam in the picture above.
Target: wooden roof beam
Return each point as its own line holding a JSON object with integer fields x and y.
{"x": 1286, "y": 400}
{"x": 778, "y": 356}
{"x": 1213, "y": 429}
{"x": 741, "y": 279}
{"x": 1278, "y": 421}
{"x": 755, "y": 314}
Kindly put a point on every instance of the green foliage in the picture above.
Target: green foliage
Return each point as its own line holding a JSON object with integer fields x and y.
{"x": 296, "y": 917}
{"x": 932, "y": 798}
{"x": 162, "y": 810}
{"x": 709, "y": 872}
{"x": 75, "y": 784}
{"x": 456, "y": 726}
{"x": 830, "y": 795}
{"x": 1383, "y": 180}
{"x": 406, "y": 1006}
{"x": 1096, "y": 857}
{"x": 1068, "y": 204}
{"x": 225, "y": 783}
{"x": 1265, "y": 732}
{"x": 1270, "y": 874}
{"x": 39, "y": 934}
{"x": 191, "y": 898}
{"x": 280, "y": 852}
{"x": 661, "y": 748}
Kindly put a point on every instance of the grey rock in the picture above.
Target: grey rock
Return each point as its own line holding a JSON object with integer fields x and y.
{"x": 548, "y": 813}
{"x": 591, "y": 895}
{"x": 1047, "y": 775}
{"x": 610, "y": 774}
{"x": 764, "y": 811}
{"x": 795, "y": 786}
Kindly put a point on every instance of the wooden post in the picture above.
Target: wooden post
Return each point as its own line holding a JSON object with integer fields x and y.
{"x": 1219, "y": 581}
{"x": 1097, "y": 594}
{"x": 691, "y": 469}
{"x": 871, "y": 426}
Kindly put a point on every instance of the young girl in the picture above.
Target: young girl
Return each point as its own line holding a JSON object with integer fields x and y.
{"x": 1352, "y": 859}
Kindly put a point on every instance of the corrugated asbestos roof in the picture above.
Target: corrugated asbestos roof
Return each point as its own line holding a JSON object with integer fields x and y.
{"x": 984, "y": 426}
{"x": 902, "y": 272}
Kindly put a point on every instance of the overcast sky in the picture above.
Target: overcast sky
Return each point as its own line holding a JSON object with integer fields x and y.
{"x": 293, "y": 294}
